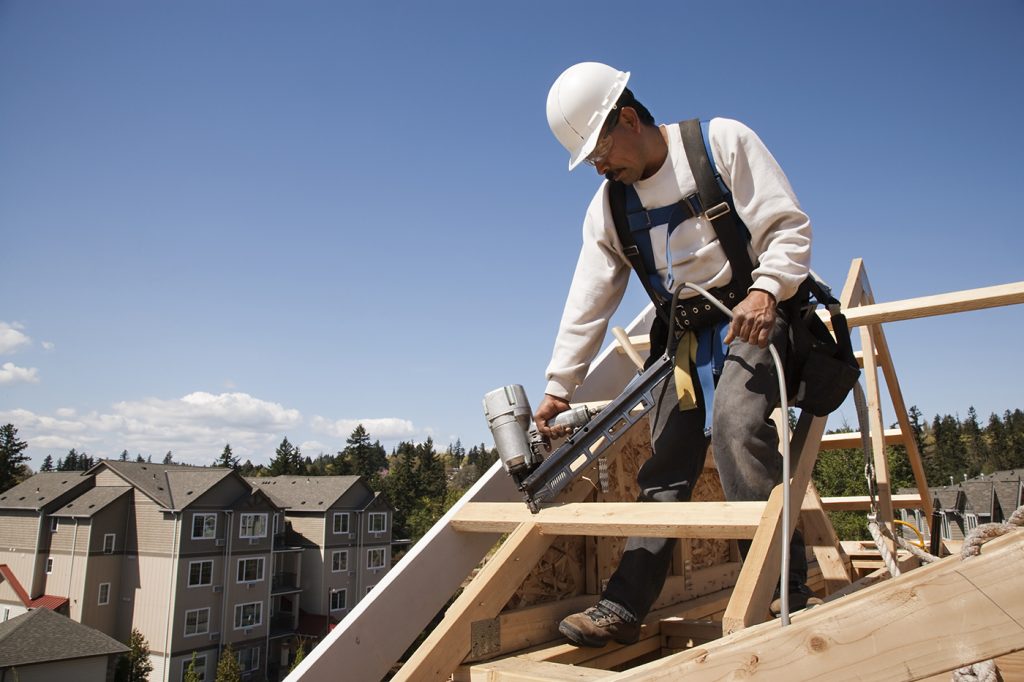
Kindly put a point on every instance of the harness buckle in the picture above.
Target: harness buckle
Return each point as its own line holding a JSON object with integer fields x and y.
{"x": 631, "y": 251}
{"x": 717, "y": 211}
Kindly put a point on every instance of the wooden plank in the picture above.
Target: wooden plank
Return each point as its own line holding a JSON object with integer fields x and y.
{"x": 717, "y": 520}
{"x": 524, "y": 670}
{"x": 940, "y": 304}
{"x": 821, "y": 537}
{"x": 927, "y": 621}
{"x": 852, "y": 440}
{"x": 863, "y": 502}
{"x": 883, "y": 491}
{"x": 760, "y": 573}
{"x": 900, "y": 408}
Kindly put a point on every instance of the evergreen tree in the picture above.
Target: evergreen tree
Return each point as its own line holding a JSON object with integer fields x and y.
{"x": 228, "y": 669}
{"x": 191, "y": 672}
{"x": 946, "y": 461}
{"x": 287, "y": 460}
{"x": 917, "y": 426}
{"x": 140, "y": 459}
{"x": 227, "y": 459}
{"x": 12, "y": 456}
{"x": 135, "y": 666}
{"x": 972, "y": 443}
{"x": 168, "y": 458}
{"x": 124, "y": 456}
{"x": 457, "y": 453}
{"x": 47, "y": 464}
{"x": 366, "y": 459}
{"x": 300, "y": 653}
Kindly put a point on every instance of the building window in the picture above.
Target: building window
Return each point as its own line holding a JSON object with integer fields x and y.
{"x": 204, "y": 526}
{"x": 197, "y": 621}
{"x": 375, "y": 558}
{"x": 341, "y": 522}
{"x": 249, "y": 659}
{"x": 277, "y": 523}
{"x": 369, "y": 588}
{"x": 49, "y": 565}
{"x": 104, "y": 598}
{"x": 338, "y": 600}
{"x": 200, "y": 573}
{"x": 378, "y": 522}
{"x": 248, "y": 615}
{"x": 53, "y": 525}
{"x": 253, "y": 526}
{"x": 250, "y": 570}
{"x": 339, "y": 560}
{"x": 108, "y": 543}
{"x": 200, "y": 668}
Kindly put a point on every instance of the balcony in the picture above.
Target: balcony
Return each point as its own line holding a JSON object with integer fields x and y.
{"x": 284, "y": 582}
{"x": 282, "y": 625}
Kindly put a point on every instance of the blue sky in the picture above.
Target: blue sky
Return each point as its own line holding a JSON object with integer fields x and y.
{"x": 240, "y": 221}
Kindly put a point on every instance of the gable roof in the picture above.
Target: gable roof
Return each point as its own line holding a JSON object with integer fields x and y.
{"x": 47, "y": 601}
{"x": 92, "y": 501}
{"x": 172, "y": 486}
{"x": 304, "y": 493}
{"x": 43, "y": 489}
{"x": 42, "y": 635}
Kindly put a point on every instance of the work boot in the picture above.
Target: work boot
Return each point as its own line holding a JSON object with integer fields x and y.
{"x": 800, "y": 597}
{"x": 600, "y": 623}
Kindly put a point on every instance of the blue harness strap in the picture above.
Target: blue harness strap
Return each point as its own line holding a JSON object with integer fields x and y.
{"x": 711, "y": 352}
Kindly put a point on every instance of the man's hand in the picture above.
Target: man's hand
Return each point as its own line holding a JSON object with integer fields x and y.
{"x": 549, "y": 407}
{"x": 753, "y": 319}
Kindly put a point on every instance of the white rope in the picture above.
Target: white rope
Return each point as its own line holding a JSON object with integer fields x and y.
{"x": 883, "y": 546}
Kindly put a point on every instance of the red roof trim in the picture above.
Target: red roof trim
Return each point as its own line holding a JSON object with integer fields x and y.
{"x": 46, "y": 601}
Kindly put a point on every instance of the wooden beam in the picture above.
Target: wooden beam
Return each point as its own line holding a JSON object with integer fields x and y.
{"x": 524, "y": 670}
{"x": 760, "y": 573}
{"x": 925, "y": 622}
{"x": 880, "y": 457}
{"x": 852, "y": 440}
{"x": 717, "y": 520}
{"x": 929, "y": 306}
{"x": 863, "y": 502}
{"x": 820, "y": 536}
{"x": 489, "y": 591}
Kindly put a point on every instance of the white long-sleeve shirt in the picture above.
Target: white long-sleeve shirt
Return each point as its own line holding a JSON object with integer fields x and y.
{"x": 780, "y": 240}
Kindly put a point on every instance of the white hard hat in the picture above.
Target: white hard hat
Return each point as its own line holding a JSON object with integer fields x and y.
{"x": 578, "y": 104}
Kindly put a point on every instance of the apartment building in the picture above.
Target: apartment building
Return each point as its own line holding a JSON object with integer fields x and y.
{"x": 341, "y": 530}
{"x": 194, "y": 558}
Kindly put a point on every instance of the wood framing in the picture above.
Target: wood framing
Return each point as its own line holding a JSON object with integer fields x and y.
{"x": 504, "y": 624}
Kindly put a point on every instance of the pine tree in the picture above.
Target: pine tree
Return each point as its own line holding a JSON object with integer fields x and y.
{"x": 972, "y": 444}
{"x": 70, "y": 461}
{"x": 124, "y": 456}
{"x": 140, "y": 459}
{"x": 457, "y": 453}
{"x": 287, "y": 460}
{"x": 134, "y": 666}
{"x": 47, "y": 464}
{"x": 191, "y": 673}
{"x": 228, "y": 669}
{"x": 300, "y": 653}
{"x": 227, "y": 459}
{"x": 168, "y": 458}
{"x": 366, "y": 459}
{"x": 12, "y": 456}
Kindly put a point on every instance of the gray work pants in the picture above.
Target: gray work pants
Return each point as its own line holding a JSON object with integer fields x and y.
{"x": 745, "y": 445}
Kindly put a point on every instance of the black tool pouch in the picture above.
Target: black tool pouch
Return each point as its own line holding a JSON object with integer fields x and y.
{"x": 820, "y": 370}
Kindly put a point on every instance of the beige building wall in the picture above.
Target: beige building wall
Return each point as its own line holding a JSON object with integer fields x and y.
{"x": 92, "y": 669}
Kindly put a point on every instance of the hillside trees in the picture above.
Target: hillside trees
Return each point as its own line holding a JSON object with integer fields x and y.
{"x": 12, "y": 457}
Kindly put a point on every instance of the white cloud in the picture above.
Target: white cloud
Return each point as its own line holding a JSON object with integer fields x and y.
{"x": 48, "y": 345}
{"x": 12, "y": 374}
{"x": 381, "y": 428}
{"x": 194, "y": 427}
{"x": 312, "y": 448}
{"x": 12, "y": 338}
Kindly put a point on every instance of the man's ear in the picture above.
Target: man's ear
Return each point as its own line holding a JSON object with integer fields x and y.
{"x": 629, "y": 118}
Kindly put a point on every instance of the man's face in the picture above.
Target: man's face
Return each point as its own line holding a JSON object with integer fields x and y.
{"x": 617, "y": 155}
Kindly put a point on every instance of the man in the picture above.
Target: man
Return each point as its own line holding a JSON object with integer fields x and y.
{"x": 599, "y": 121}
